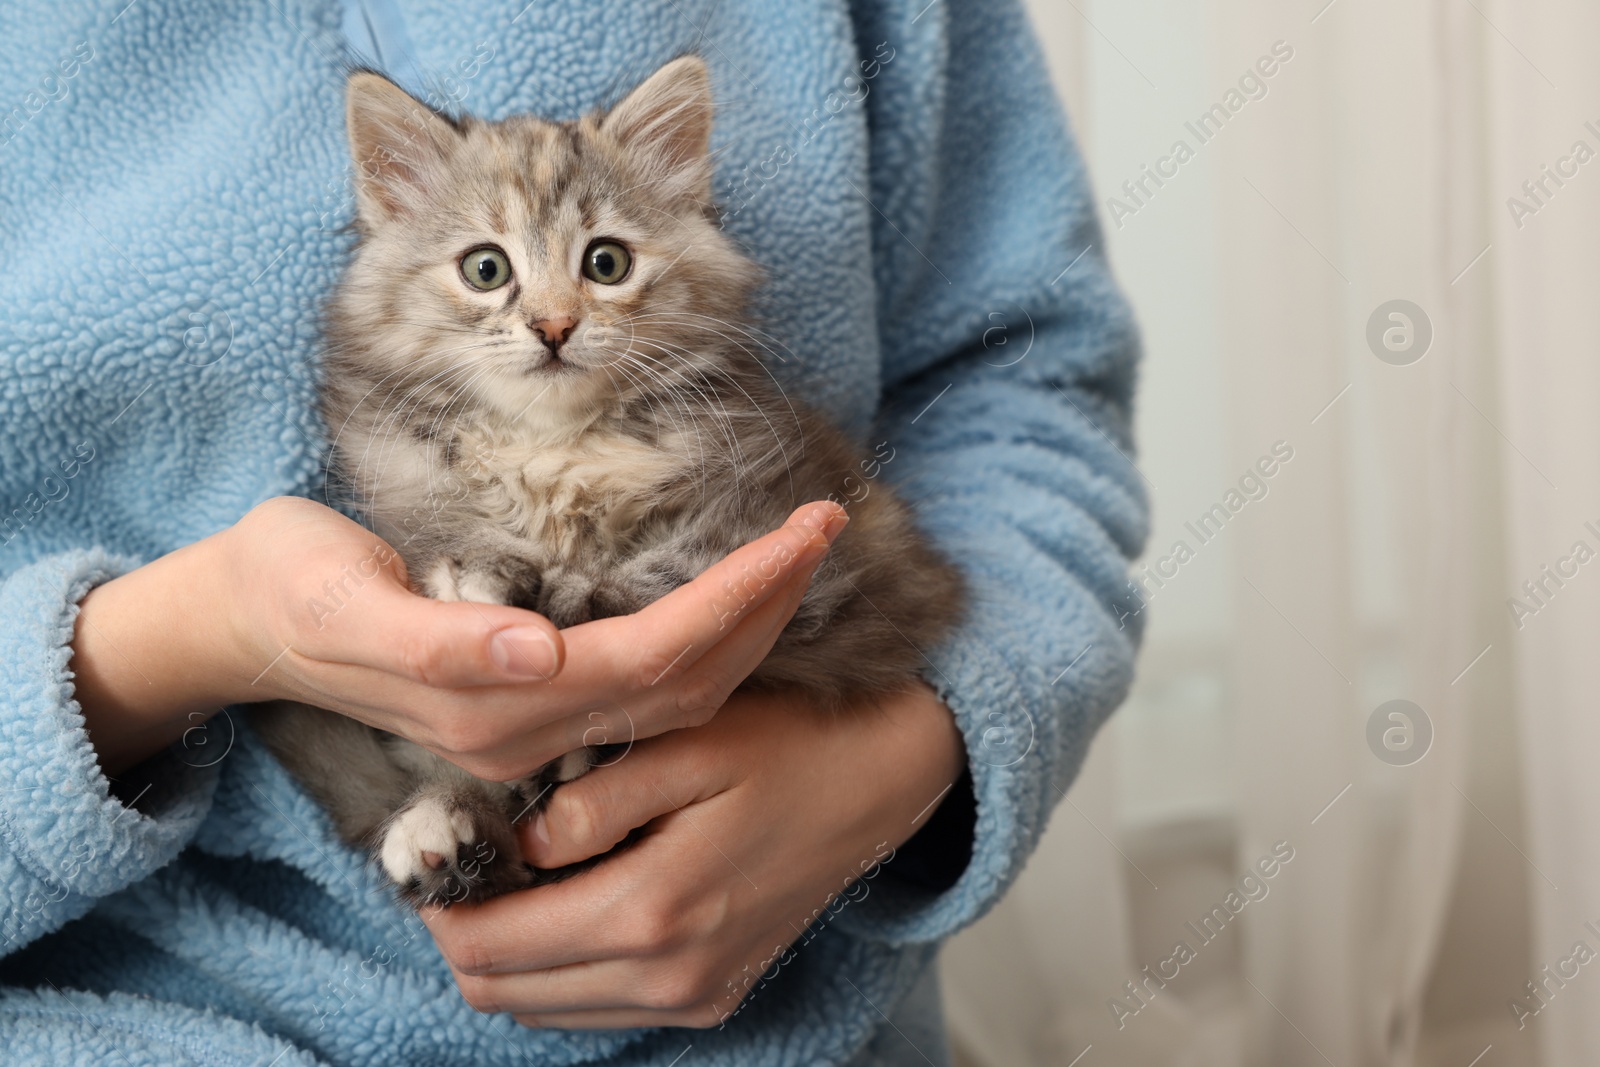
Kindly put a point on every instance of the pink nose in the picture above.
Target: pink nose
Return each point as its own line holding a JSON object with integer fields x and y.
{"x": 554, "y": 332}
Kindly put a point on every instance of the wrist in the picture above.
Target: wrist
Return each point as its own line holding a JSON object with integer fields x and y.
{"x": 947, "y": 748}
{"x": 151, "y": 653}
{"x": 930, "y": 753}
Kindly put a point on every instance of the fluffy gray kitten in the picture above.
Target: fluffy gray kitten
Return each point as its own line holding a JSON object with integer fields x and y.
{"x": 543, "y": 391}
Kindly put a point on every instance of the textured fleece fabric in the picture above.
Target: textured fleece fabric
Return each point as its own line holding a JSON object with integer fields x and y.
{"x": 173, "y": 192}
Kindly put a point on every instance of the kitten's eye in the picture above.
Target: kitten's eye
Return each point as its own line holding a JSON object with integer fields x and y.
{"x": 485, "y": 268}
{"x": 606, "y": 262}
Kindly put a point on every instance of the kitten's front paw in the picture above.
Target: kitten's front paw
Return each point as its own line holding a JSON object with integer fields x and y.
{"x": 436, "y": 854}
{"x": 484, "y": 577}
{"x": 568, "y": 598}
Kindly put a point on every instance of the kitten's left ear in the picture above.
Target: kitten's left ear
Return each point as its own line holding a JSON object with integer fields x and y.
{"x": 668, "y": 121}
{"x": 400, "y": 147}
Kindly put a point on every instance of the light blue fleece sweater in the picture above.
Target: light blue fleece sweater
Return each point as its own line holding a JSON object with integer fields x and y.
{"x": 172, "y": 187}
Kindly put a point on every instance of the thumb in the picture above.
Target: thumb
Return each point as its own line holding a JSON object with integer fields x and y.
{"x": 586, "y": 818}
{"x": 383, "y": 625}
{"x": 590, "y": 815}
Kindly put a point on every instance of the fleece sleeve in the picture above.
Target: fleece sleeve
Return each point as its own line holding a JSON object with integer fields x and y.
{"x": 67, "y": 837}
{"x": 1009, "y": 360}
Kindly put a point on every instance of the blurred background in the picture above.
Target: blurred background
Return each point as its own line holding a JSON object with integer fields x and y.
{"x": 1375, "y": 254}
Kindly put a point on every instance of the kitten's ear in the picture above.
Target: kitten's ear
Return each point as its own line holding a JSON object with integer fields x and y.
{"x": 399, "y": 146}
{"x": 667, "y": 120}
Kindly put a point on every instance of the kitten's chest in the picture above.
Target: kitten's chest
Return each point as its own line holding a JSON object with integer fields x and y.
{"x": 577, "y": 498}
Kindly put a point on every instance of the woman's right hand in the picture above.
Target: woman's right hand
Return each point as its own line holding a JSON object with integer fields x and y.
{"x": 295, "y": 601}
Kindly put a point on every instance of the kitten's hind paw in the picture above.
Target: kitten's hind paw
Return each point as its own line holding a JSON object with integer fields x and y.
{"x": 436, "y": 854}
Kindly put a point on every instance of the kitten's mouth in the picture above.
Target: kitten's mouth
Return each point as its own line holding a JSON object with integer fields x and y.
{"x": 552, "y": 363}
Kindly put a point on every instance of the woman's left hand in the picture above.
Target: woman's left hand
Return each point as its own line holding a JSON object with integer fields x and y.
{"x": 753, "y": 824}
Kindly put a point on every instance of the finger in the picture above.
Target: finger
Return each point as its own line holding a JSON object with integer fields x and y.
{"x": 674, "y": 992}
{"x": 674, "y": 985}
{"x": 567, "y": 922}
{"x": 717, "y": 674}
{"x": 606, "y": 985}
{"x": 592, "y": 814}
{"x": 483, "y": 729}
{"x": 685, "y": 624}
{"x": 698, "y": 1017}
{"x": 602, "y": 986}
{"x": 822, "y": 515}
{"x": 442, "y": 645}
{"x": 645, "y": 652}
{"x": 617, "y": 1020}
{"x": 624, "y": 907}
{"x": 731, "y": 660}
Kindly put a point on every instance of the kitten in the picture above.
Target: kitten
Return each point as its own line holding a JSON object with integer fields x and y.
{"x": 543, "y": 390}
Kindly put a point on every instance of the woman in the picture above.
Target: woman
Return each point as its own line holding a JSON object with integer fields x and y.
{"x": 173, "y": 194}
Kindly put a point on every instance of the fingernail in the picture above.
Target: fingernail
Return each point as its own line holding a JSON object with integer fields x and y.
{"x": 836, "y": 525}
{"x": 830, "y": 520}
{"x": 810, "y": 553}
{"x": 541, "y": 829}
{"x": 525, "y": 651}
{"x": 526, "y": 844}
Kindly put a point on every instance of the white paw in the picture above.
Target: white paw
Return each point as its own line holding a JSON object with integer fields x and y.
{"x": 443, "y": 581}
{"x": 481, "y": 588}
{"x": 422, "y": 838}
{"x": 574, "y": 764}
{"x": 447, "y": 581}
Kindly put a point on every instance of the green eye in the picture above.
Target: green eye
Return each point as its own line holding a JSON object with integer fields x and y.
{"x": 485, "y": 268}
{"x": 606, "y": 262}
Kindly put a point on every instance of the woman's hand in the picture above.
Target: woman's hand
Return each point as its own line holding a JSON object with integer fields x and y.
{"x": 756, "y": 822}
{"x": 296, "y": 601}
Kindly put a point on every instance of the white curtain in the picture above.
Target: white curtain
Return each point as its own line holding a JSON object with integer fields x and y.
{"x": 1373, "y": 164}
{"x": 1547, "y": 317}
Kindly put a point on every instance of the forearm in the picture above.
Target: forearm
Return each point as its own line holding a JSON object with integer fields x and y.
{"x": 69, "y": 840}
{"x": 150, "y": 654}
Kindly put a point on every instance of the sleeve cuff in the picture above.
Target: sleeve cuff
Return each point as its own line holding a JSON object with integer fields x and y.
{"x": 1020, "y": 753}
{"x": 60, "y": 819}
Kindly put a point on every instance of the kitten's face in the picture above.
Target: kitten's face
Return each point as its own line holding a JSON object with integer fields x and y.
{"x": 543, "y": 269}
